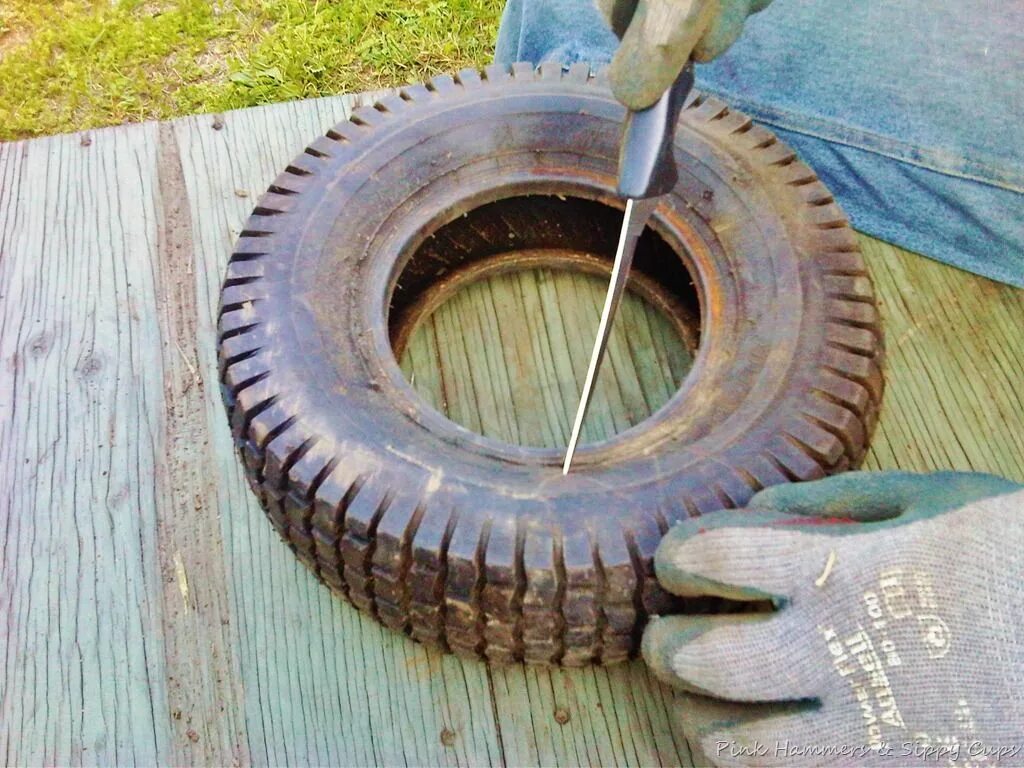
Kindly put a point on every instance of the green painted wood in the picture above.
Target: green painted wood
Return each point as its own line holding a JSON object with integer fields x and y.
{"x": 506, "y": 356}
{"x": 955, "y": 363}
{"x": 83, "y": 678}
{"x": 151, "y": 614}
{"x": 204, "y": 694}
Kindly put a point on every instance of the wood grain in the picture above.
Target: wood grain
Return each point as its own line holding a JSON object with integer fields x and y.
{"x": 505, "y": 357}
{"x": 82, "y": 392}
{"x": 955, "y": 348}
{"x": 150, "y": 613}
{"x": 203, "y": 686}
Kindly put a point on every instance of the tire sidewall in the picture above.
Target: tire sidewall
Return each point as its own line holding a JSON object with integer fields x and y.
{"x": 353, "y": 233}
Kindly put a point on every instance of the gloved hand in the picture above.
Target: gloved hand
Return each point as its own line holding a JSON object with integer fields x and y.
{"x": 899, "y": 618}
{"x": 659, "y": 36}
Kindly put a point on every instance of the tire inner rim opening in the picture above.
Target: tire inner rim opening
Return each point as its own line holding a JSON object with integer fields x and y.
{"x": 493, "y": 320}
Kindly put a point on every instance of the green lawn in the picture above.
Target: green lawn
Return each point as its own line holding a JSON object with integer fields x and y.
{"x": 68, "y": 65}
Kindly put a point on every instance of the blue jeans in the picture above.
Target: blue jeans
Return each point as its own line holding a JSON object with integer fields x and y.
{"x": 911, "y": 111}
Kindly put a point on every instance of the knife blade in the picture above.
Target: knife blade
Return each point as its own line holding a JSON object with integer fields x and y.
{"x": 647, "y": 171}
{"x": 637, "y": 214}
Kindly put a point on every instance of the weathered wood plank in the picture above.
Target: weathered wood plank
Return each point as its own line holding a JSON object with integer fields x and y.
{"x": 93, "y": 261}
{"x": 955, "y": 349}
{"x": 203, "y": 681}
{"x": 323, "y": 683}
{"x": 479, "y": 363}
{"x": 595, "y": 716}
{"x": 83, "y": 678}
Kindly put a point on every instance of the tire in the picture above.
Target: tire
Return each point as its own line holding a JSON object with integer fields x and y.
{"x": 484, "y": 548}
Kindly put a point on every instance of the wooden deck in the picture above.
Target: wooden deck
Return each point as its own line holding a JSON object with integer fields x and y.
{"x": 150, "y": 613}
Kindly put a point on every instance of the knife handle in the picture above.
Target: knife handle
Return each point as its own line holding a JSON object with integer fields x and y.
{"x": 646, "y": 165}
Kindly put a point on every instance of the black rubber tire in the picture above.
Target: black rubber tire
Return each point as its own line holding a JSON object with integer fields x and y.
{"x": 484, "y": 548}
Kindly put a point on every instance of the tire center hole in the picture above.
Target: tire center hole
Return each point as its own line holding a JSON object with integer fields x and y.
{"x": 500, "y": 341}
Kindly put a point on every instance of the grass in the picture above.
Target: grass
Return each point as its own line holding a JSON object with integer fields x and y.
{"x": 69, "y": 65}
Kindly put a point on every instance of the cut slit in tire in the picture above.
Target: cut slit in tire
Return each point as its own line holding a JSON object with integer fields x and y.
{"x": 478, "y": 546}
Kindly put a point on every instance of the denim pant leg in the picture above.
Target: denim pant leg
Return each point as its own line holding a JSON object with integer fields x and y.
{"x": 553, "y": 30}
{"x": 910, "y": 110}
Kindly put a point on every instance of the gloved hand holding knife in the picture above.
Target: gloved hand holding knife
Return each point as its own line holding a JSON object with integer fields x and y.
{"x": 652, "y": 74}
{"x": 658, "y": 38}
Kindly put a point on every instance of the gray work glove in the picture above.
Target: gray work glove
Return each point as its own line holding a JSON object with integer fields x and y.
{"x": 898, "y": 634}
{"x": 658, "y": 37}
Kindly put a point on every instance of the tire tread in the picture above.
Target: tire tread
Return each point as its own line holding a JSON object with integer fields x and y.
{"x": 495, "y": 587}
